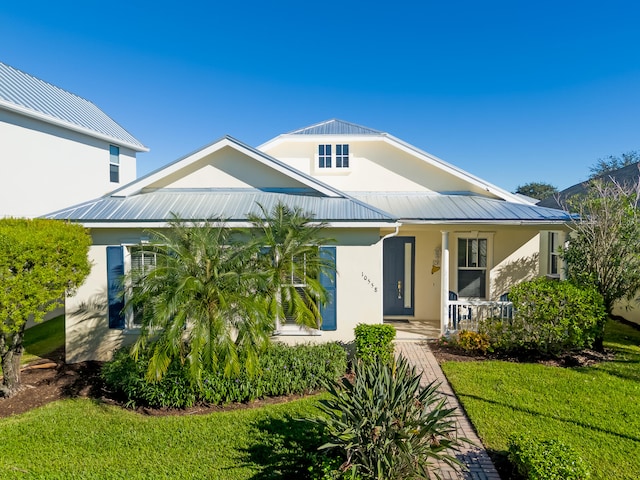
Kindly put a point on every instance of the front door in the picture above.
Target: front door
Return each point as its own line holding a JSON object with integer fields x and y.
{"x": 398, "y": 275}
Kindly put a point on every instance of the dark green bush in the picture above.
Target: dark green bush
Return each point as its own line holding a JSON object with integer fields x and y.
{"x": 283, "y": 370}
{"x": 550, "y": 317}
{"x": 374, "y": 342}
{"x": 545, "y": 460}
{"x": 386, "y": 425}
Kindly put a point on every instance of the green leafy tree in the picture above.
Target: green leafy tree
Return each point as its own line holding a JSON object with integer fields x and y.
{"x": 604, "y": 244}
{"x": 613, "y": 162}
{"x": 538, "y": 190}
{"x": 41, "y": 261}
{"x": 290, "y": 259}
{"x": 201, "y": 302}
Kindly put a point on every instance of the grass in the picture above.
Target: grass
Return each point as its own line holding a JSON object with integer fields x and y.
{"x": 593, "y": 409}
{"x": 85, "y": 439}
{"x": 42, "y": 339}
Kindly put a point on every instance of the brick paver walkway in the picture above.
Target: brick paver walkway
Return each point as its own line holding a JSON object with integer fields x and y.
{"x": 476, "y": 459}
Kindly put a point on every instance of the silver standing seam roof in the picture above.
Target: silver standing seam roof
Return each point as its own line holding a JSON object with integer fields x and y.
{"x": 335, "y": 127}
{"x": 28, "y": 95}
{"x": 458, "y": 208}
{"x": 231, "y": 205}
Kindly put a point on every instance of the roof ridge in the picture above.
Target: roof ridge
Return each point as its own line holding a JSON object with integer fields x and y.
{"x": 335, "y": 126}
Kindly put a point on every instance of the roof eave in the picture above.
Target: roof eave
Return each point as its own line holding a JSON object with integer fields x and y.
{"x": 70, "y": 126}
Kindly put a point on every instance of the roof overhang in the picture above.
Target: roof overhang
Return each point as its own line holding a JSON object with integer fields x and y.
{"x": 69, "y": 126}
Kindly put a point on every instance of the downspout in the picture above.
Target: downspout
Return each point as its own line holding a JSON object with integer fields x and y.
{"x": 390, "y": 235}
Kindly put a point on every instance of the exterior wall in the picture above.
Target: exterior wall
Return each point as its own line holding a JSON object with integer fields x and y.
{"x": 512, "y": 258}
{"x": 375, "y": 165}
{"x": 358, "y": 295}
{"x": 628, "y": 310}
{"x": 50, "y": 168}
{"x": 227, "y": 168}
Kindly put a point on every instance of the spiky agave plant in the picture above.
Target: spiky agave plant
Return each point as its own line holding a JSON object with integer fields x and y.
{"x": 387, "y": 425}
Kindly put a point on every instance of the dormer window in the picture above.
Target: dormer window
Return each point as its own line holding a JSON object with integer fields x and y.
{"x": 326, "y": 157}
{"x": 342, "y": 156}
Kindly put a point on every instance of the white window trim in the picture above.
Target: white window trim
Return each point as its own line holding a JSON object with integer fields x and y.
{"x": 333, "y": 169}
{"x": 112, "y": 163}
{"x": 488, "y": 236}
{"x": 552, "y": 253}
{"x": 291, "y": 329}
{"x": 129, "y": 326}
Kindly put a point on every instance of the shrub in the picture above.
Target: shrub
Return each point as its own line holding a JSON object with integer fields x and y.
{"x": 472, "y": 341}
{"x": 283, "y": 370}
{"x": 374, "y": 342}
{"x": 550, "y": 317}
{"x": 386, "y": 425}
{"x": 545, "y": 460}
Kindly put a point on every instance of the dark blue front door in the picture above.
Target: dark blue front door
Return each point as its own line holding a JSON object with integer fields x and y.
{"x": 398, "y": 275}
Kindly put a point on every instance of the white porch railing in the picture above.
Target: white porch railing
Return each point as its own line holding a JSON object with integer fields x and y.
{"x": 466, "y": 314}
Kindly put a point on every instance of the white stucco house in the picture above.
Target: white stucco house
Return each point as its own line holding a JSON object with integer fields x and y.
{"x": 414, "y": 235}
{"x": 57, "y": 149}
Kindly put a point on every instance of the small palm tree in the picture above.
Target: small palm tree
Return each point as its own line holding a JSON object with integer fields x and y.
{"x": 290, "y": 259}
{"x": 199, "y": 303}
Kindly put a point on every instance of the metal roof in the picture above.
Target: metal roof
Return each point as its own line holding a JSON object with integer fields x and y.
{"x": 458, "y": 208}
{"x": 335, "y": 127}
{"x": 23, "y": 93}
{"x": 225, "y": 204}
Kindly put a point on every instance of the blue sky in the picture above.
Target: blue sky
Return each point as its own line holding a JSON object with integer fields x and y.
{"x": 511, "y": 91}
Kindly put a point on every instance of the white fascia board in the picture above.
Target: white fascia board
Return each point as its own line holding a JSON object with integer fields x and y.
{"x": 452, "y": 169}
{"x": 70, "y": 126}
{"x": 521, "y": 223}
{"x": 231, "y": 224}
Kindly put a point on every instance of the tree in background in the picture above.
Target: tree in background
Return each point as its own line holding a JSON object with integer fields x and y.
{"x": 613, "y": 162}
{"x": 41, "y": 261}
{"x": 538, "y": 190}
{"x": 604, "y": 243}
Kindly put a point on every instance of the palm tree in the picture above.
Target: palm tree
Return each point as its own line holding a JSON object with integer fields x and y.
{"x": 289, "y": 244}
{"x": 199, "y": 303}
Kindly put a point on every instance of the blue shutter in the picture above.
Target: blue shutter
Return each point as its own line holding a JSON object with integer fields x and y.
{"x": 328, "y": 281}
{"x": 115, "y": 288}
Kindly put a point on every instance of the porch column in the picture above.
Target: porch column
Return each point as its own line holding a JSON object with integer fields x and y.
{"x": 444, "y": 282}
{"x": 562, "y": 267}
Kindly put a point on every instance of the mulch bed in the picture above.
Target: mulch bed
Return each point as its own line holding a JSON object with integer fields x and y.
{"x": 50, "y": 379}
{"x": 583, "y": 358}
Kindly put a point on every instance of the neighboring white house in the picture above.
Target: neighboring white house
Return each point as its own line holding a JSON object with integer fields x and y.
{"x": 412, "y": 231}
{"x": 57, "y": 149}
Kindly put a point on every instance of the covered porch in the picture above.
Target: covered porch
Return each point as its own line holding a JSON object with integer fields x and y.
{"x": 439, "y": 280}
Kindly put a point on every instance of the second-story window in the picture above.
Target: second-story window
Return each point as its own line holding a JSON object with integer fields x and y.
{"x": 333, "y": 156}
{"x": 114, "y": 164}
{"x": 342, "y": 156}
{"x": 324, "y": 156}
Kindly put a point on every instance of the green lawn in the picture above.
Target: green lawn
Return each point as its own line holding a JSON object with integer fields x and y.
{"x": 84, "y": 439}
{"x": 43, "y": 338}
{"x": 594, "y": 409}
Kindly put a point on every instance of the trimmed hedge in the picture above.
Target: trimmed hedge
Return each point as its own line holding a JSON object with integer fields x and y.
{"x": 545, "y": 460}
{"x": 374, "y": 343}
{"x": 283, "y": 370}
